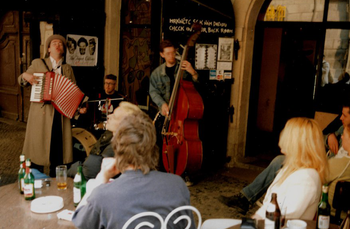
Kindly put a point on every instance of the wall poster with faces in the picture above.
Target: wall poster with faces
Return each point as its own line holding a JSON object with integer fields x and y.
{"x": 81, "y": 50}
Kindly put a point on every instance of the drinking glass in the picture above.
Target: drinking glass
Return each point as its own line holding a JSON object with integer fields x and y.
{"x": 61, "y": 177}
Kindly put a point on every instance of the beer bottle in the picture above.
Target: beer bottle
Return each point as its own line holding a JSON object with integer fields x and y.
{"x": 324, "y": 210}
{"x": 21, "y": 173}
{"x": 79, "y": 188}
{"x": 273, "y": 214}
{"x": 28, "y": 189}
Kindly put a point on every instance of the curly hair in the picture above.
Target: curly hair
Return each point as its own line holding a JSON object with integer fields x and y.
{"x": 134, "y": 143}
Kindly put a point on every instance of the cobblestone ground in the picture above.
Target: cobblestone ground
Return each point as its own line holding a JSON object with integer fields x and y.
{"x": 11, "y": 143}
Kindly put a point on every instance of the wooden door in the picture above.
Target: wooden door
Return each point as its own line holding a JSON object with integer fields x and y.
{"x": 14, "y": 48}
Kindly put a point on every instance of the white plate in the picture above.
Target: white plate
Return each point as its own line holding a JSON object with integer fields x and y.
{"x": 46, "y": 204}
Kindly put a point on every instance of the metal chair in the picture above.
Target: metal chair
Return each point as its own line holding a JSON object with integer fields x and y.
{"x": 341, "y": 200}
{"x": 220, "y": 223}
{"x": 164, "y": 223}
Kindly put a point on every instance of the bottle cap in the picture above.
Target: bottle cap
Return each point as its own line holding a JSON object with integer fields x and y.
{"x": 28, "y": 162}
{"x": 325, "y": 188}
{"x": 22, "y": 157}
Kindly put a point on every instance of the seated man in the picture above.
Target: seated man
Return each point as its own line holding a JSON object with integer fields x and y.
{"x": 254, "y": 191}
{"x": 96, "y": 110}
{"x": 139, "y": 188}
{"x": 102, "y": 148}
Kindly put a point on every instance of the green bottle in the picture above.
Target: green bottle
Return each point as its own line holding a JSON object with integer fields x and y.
{"x": 21, "y": 173}
{"x": 28, "y": 189}
{"x": 79, "y": 188}
{"x": 324, "y": 210}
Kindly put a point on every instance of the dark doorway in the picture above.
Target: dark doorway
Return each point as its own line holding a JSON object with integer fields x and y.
{"x": 284, "y": 75}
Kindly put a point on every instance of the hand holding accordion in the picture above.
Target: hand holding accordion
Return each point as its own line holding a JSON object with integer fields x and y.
{"x": 64, "y": 95}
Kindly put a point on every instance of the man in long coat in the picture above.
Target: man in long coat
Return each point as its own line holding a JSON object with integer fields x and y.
{"x": 48, "y": 139}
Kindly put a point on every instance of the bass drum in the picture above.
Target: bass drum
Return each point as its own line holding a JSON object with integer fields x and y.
{"x": 85, "y": 138}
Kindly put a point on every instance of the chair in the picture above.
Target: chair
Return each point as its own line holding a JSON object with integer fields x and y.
{"x": 144, "y": 223}
{"x": 164, "y": 223}
{"x": 341, "y": 200}
{"x": 220, "y": 223}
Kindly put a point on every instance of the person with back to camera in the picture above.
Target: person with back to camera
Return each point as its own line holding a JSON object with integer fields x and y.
{"x": 102, "y": 148}
{"x": 139, "y": 188}
{"x": 298, "y": 184}
{"x": 48, "y": 140}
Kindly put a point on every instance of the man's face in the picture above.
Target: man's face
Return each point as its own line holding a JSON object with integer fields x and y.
{"x": 109, "y": 86}
{"x": 82, "y": 48}
{"x": 91, "y": 48}
{"x": 114, "y": 119}
{"x": 56, "y": 47}
{"x": 345, "y": 116}
{"x": 169, "y": 55}
{"x": 71, "y": 47}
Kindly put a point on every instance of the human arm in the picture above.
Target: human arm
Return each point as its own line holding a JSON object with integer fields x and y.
{"x": 157, "y": 89}
{"x": 36, "y": 66}
{"x": 331, "y": 140}
{"x": 108, "y": 170}
{"x": 188, "y": 67}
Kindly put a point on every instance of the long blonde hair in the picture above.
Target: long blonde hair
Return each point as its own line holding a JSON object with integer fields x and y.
{"x": 302, "y": 142}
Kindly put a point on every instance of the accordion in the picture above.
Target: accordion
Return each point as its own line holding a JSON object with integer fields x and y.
{"x": 58, "y": 90}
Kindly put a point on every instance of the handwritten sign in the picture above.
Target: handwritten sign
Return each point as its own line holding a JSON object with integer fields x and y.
{"x": 183, "y": 24}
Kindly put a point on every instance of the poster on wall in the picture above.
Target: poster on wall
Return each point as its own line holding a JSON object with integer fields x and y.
{"x": 205, "y": 56}
{"x": 225, "y": 49}
{"x": 81, "y": 50}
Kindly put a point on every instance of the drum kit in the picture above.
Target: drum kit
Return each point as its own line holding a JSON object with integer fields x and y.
{"x": 85, "y": 137}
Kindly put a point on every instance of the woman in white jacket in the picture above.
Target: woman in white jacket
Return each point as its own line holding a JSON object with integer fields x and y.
{"x": 298, "y": 184}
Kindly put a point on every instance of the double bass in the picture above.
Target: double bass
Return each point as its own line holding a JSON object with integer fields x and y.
{"x": 182, "y": 148}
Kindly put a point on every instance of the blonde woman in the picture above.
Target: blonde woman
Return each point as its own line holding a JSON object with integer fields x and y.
{"x": 298, "y": 184}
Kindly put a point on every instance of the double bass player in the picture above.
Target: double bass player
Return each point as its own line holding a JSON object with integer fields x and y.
{"x": 162, "y": 81}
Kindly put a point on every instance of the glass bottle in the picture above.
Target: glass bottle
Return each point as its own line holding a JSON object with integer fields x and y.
{"x": 273, "y": 214}
{"x": 79, "y": 188}
{"x": 323, "y": 210}
{"x": 28, "y": 189}
{"x": 21, "y": 173}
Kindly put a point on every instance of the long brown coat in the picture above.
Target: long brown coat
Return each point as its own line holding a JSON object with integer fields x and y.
{"x": 38, "y": 134}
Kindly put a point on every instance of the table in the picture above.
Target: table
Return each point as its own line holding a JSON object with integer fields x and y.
{"x": 310, "y": 225}
{"x": 15, "y": 210}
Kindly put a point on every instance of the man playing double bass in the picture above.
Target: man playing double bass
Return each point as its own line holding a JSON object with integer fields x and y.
{"x": 162, "y": 81}
{"x": 163, "y": 77}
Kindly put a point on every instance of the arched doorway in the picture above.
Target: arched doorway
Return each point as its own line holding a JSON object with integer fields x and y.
{"x": 268, "y": 88}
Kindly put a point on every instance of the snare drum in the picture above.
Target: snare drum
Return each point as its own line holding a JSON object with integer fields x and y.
{"x": 86, "y": 138}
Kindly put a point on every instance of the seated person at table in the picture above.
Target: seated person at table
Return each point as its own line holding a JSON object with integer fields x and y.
{"x": 102, "y": 148}
{"x": 254, "y": 191}
{"x": 298, "y": 184}
{"x": 139, "y": 188}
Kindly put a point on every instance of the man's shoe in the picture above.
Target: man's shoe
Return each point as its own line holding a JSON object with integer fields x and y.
{"x": 238, "y": 200}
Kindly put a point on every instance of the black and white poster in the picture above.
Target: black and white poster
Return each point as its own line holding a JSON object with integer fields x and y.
{"x": 81, "y": 50}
